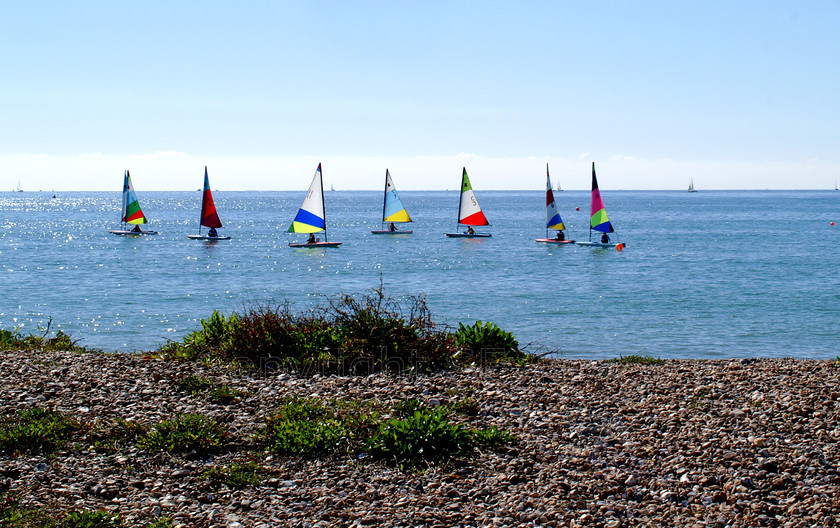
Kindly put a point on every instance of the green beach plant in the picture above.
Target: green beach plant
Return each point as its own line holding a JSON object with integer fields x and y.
{"x": 61, "y": 342}
{"x": 187, "y": 434}
{"x": 37, "y": 430}
{"x": 236, "y": 476}
{"x": 91, "y": 519}
{"x": 429, "y": 437}
{"x": 486, "y": 341}
{"x": 636, "y": 360}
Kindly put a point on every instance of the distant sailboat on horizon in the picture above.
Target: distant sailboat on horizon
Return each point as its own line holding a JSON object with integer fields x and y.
{"x": 691, "y": 186}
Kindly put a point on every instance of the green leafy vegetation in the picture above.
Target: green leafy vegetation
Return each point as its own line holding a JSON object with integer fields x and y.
{"x": 372, "y": 333}
{"x": 13, "y": 515}
{"x": 60, "y": 342}
{"x": 429, "y": 437}
{"x": 487, "y": 341}
{"x": 187, "y": 434}
{"x": 305, "y": 428}
{"x": 194, "y": 385}
{"x": 120, "y": 434}
{"x": 636, "y": 360}
{"x": 236, "y": 476}
{"x": 36, "y": 430}
{"x": 91, "y": 519}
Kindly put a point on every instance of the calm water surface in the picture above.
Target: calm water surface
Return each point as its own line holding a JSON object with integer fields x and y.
{"x": 708, "y": 274}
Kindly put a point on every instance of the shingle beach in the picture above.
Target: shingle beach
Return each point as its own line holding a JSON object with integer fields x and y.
{"x": 746, "y": 442}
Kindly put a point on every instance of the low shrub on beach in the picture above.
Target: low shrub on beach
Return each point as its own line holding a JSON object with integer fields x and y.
{"x": 61, "y": 342}
{"x": 309, "y": 428}
{"x": 636, "y": 360}
{"x": 487, "y": 341}
{"x": 37, "y": 430}
{"x": 428, "y": 437}
{"x": 372, "y": 333}
{"x": 187, "y": 434}
{"x": 236, "y": 476}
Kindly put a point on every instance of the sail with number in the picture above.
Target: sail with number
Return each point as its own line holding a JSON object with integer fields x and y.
{"x": 469, "y": 212}
{"x": 392, "y": 208}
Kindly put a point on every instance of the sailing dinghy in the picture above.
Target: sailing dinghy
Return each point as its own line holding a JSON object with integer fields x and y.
{"x": 469, "y": 212}
{"x": 553, "y": 220}
{"x": 392, "y": 210}
{"x": 598, "y": 220}
{"x": 691, "y": 186}
{"x": 311, "y": 217}
{"x": 131, "y": 212}
{"x": 209, "y": 217}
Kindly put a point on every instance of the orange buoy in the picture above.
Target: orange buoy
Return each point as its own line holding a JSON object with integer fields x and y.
{"x": 577, "y": 208}
{"x": 619, "y": 247}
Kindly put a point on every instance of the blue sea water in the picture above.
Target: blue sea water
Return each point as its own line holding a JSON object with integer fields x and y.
{"x": 705, "y": 275}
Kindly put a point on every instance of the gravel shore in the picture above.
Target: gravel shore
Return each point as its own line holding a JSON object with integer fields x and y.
{"x": 687, "y": 443}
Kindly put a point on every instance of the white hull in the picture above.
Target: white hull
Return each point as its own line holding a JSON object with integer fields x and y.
{"x": 601, "y": 244}
{"x": 206, "y": 237}
{"x": 124, "y": 232}
{"x": 314, "y": 244}
{"x": 554, "y": 241}
{"x": 469, "y": 235}
{"x": 389, "y": 232}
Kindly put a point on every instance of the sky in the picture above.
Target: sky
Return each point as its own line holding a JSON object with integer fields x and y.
{"x": 734, "y": 95}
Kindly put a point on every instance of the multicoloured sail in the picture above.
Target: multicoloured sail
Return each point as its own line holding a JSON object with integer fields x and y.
{"x": 553, "y": 220}
{"x": 209, "y": 217}
{"x": 131, "y": 212}
{"x": 598, "y": 221}
{"x": 469, "y": 212}
{"x": 311, "y": 218}
{"x": 392, "y": 208}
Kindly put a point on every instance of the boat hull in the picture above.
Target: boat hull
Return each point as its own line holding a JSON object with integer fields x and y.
{"x": 314, "y": 244}
{"x": 601, "y": 244}
{"x": 205, "y": 237}
{"x": 124, "y": 232}
{"x": 554, "y": 241}
{"x": 389, "y": 232}
{"x": 468, "y": 235}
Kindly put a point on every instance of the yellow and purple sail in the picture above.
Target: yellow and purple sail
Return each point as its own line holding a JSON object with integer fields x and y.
{"x": 553, "y": 220}
{"x": 131, "y": 212}
{"x": 392, "y": 208}
{"x": 598, "y": 219}
{"x": 209, "y": 216}
{"x": 310, "y": 217}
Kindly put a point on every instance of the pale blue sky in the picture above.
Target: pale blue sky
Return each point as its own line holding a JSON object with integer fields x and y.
{"x": 735, "y": 94}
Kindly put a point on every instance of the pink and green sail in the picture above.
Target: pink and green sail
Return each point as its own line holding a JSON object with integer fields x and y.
{"x": 599, "y": 220}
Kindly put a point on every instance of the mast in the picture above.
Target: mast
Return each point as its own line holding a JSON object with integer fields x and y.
{"x": 385, "y": 198}
{"x": 458, "y": 221}
{"x": 323, "y": 205}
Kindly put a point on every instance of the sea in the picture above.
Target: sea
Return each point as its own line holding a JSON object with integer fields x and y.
{"x": 712, "y": 274}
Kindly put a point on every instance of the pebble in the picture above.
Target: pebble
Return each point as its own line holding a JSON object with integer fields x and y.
{"x": 688, "y": 443}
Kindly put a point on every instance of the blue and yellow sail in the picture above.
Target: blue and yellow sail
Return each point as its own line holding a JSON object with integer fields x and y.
{"x": 310, "y": 217}
{"x": 392, "y": 208}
